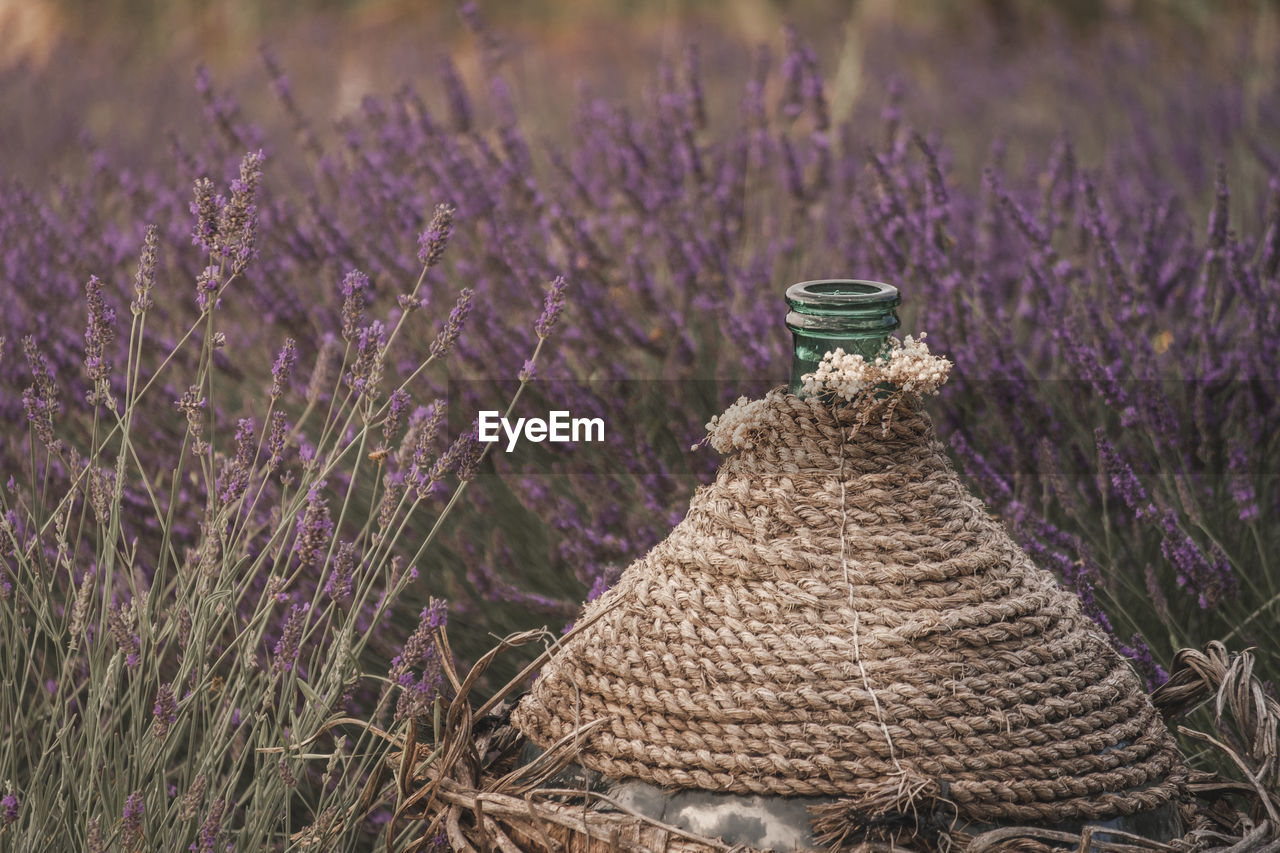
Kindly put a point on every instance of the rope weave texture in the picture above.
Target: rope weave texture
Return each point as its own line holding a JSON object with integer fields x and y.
{"x": 837, "y": 613}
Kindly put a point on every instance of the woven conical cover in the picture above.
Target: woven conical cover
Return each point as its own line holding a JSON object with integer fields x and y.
{"x": 757, "y": 649}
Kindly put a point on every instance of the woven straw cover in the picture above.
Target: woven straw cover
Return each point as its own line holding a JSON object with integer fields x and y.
{"x": 756, "y": 650}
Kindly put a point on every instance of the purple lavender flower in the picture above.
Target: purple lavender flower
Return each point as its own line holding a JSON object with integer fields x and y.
{"x": 453, "y": 327}
{"x": 210, "y": 828}
{"x": 120, "y": 623}
{"x": 99, "y": 334}
{"x": 396, "y": 407}
{"x": 207, "y": 284}
{"x": 392, "y": 490}
{"x": 1242, "y": 490}
{"x": 276, "y": 436}
{"x": 432, "y": 242}
{"x": 165, "y": 710}
{"x": 234, "y": 478}
{"x": 1123, "y": 480}
{"x": 315, "y": 529}
{"x": 440, "y": 468}
{"x": 355, "y": 289}
{"x": 600, "y": 584}
{"x": 282, "y": 369}
{"x": 237, "y": 242}
{"x": 287, "y": 647}
{"x": 366, "y": 373}
{"x": 1139, "y": 653}
{"x": 1208, "y": 578}
{"x": 342, "y": 575}
{"x": 552, "y": 307}
{"x": 145, "y": 279}
{"x": 466, "y": 452}
{"x": 40, "y": 399}
{"x": 9, "y": 806}
{"x": 422, "y": 464}
{"x": 419, "y": 652}
{"x": 101, "y": 492}
{"x": 191, "y": 800}
{"x": 134, "y": 809}
{"x": 192, "y": 404}
{"x": 206, "y": 207}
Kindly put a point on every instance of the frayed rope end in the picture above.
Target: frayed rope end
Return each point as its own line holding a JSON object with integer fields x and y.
{"x": 903, "y": 808}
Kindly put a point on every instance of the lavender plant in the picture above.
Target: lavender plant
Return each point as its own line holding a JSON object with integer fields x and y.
{"x": 238, "y": 503}
{"x": 168, "y": 682}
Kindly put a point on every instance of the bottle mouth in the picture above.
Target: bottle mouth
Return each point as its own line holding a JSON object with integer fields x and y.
{"x": 842, "y": 306}
{"x": 836, "y": 293}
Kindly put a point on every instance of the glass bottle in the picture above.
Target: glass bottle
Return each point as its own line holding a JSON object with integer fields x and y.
{"x": 858, "y": 317}
{"x": 848, "y": 314}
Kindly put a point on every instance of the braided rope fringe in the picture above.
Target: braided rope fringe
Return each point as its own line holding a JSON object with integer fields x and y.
{"x": 907, "y": 809}
{"x": 837, "y": 616}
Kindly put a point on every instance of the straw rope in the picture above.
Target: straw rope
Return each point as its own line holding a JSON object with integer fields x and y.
{"x": 837, "y": 616}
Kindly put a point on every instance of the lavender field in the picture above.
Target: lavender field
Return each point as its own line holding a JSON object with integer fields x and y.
{"x": 260, "y": 276}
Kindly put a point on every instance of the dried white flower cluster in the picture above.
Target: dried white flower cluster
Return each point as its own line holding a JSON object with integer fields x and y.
{"x": 909, "y": 367}
{"x": 845, "y": 374}
{"x": 738, "y": 426}
{"x": 873, "y": 386}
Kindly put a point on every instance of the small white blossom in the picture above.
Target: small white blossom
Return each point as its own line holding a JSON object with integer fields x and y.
{"x": 874, "y": 386}
{"x": 909, "y": 367}
{"x": 913, "y": 368}
{"x": 847, "y": 374}
{"x": 738, "y": 426}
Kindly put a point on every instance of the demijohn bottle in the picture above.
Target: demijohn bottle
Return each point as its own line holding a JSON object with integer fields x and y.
{"x": 839, "y": 641}
{"x": 855, "y": 316}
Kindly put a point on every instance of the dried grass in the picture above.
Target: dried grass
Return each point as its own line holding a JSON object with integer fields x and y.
{"x": 469, "y": 791}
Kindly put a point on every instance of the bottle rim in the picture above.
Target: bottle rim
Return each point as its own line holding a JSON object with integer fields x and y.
{"x": 836, "y": 293}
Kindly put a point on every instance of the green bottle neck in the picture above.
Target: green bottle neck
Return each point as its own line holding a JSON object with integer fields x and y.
{"x": 855, "y": 316}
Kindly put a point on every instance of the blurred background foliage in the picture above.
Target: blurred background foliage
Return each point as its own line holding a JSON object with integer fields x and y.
{"x": 338, "y": 51}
